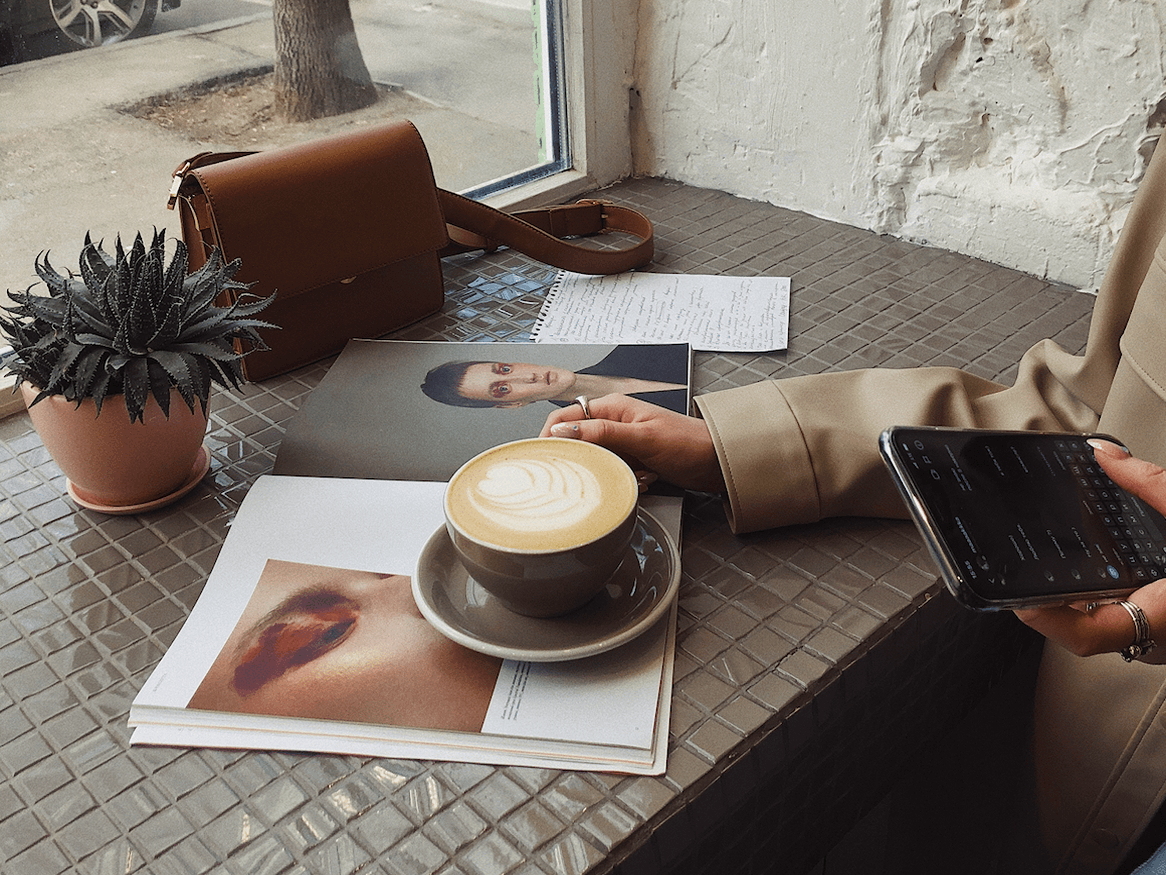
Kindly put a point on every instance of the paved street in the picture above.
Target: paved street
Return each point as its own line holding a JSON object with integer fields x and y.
{"x": 71, "y": 162}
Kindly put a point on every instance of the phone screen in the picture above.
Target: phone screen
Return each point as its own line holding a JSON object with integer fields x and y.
{"x": 1025, "y": 517}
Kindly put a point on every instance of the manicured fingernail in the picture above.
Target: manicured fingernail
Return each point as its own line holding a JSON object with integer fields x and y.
{"x": 644, "y": 479}
{"x": 565, "y": 429}
{"x": 1108, "y": 448}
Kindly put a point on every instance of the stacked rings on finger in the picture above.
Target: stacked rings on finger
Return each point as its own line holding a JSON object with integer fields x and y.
{"x": 1143, "y": 643}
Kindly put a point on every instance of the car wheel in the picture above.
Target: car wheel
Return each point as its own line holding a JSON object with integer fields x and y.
{"x": 99, "y": 22}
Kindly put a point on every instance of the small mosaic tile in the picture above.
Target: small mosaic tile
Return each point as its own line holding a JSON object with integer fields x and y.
{"x": 569, "y": 796}
{"x": 713, "y": 740}
{"x": 572, "y": 855}
{"x": 532, "y": 826}
{"x": 455, "y": 827}
{"x": 490, "y": 855}
{"x": 706, "y": 690}
{"x": 607, "y": 825}
{"x": 744, "y": 715}
{"x": 381, "y": 828}
{"x": 643, "y": 796}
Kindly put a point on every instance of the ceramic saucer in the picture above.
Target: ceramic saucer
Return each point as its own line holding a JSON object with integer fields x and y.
{"x": 202, "y": 464}
{"x": 638, "y": 594}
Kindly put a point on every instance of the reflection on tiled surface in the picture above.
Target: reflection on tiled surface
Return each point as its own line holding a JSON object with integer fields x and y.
{"x": 798, "y": 650}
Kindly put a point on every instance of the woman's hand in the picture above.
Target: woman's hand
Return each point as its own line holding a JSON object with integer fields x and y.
{"x": 675, "y": 447}
{"x": 1109, "y": 628}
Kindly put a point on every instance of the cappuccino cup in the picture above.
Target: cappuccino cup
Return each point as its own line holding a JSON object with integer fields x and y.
{"x": 542, "y": 523}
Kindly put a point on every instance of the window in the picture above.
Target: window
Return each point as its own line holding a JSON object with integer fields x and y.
{"x": 537, "y": 87}
{"x": 483, "y": 79}
{"x": 550, "y": 113}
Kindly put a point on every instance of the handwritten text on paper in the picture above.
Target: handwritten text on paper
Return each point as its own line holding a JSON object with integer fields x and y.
{"x": 712, "y": 313}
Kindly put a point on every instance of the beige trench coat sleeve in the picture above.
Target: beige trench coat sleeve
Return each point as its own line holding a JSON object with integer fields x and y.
{"x": 800, "y": 449}
{"x": 805, "y": 448}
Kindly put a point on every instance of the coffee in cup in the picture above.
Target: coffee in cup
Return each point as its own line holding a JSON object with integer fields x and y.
{"x": 542, "y": 523}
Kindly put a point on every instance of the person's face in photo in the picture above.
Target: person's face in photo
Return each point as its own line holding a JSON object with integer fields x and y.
{"x": 339, "y": 644}
{"x": 513, "y": 384}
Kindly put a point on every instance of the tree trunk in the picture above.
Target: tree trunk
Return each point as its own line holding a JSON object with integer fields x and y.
{"x": 319, "y": 70}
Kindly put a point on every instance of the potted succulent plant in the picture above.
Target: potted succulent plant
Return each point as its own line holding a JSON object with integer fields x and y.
{"x": 116, "y": 365}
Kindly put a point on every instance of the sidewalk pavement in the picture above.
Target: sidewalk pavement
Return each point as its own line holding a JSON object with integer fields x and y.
{"x": 71, "y": 162}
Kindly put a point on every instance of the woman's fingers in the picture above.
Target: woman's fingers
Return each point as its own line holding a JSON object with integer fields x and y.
{"x": 1109, "y": 627}
{"x": 677, "y": 447}
{"x": 1144, "y": 479}
{"x": 1105, "y": 629}
{"x": 604, "y": 427}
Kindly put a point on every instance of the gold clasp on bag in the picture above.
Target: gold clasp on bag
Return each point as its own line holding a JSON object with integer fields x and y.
{"x": 175, "y": 184}
{"x": 180, "y": 174}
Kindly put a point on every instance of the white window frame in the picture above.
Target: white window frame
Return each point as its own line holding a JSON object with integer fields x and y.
{"x": 597, "y": 56}
{"x": 10, "y": 401}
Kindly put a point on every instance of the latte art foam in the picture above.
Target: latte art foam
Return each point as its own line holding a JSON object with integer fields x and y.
{"x": 536, "y": 495}
{"x": 541, "y": 494}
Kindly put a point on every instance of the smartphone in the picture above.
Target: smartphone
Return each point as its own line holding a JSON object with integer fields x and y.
{"x": 1020, "y": 518}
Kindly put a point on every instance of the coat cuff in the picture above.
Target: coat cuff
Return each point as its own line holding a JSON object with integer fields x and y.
{"x": 763, "y": 457}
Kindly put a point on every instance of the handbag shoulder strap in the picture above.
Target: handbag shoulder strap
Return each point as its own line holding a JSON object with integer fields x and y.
{"x": 538, "y": 233}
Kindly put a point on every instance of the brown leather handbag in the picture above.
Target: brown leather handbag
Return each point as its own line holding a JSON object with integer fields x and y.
{"x": 349, "y": 231}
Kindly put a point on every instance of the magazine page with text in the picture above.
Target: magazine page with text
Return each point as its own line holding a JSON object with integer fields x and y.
{"x": 307, "y": 637}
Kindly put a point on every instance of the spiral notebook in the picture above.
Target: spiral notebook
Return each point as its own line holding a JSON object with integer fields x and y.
{"x": 710, "y": 313}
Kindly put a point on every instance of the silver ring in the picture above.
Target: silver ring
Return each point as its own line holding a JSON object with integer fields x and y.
{"x": 582, "y": 402}
{"x": 1142, "y": 643}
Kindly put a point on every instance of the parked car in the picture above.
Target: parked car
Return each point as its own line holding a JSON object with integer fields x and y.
{"x": 82, "y": 23}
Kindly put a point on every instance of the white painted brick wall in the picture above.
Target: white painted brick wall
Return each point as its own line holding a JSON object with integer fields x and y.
{"x": 1012, "y": 130}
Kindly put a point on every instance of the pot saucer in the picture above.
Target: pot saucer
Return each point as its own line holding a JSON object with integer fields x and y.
{"x": 638, "y": 594}
{"x": 202, "y": 464}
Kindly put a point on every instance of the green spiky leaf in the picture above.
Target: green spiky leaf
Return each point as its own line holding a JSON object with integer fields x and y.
{"x": 135, "y": 324}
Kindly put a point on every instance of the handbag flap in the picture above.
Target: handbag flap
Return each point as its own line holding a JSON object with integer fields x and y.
{"x": 316, "y": 213}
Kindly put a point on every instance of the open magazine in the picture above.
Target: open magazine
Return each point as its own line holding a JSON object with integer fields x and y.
{"x": 307, "y": 635}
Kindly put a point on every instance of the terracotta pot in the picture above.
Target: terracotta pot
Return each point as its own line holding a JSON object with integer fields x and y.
{"x": 113, "y": 464}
